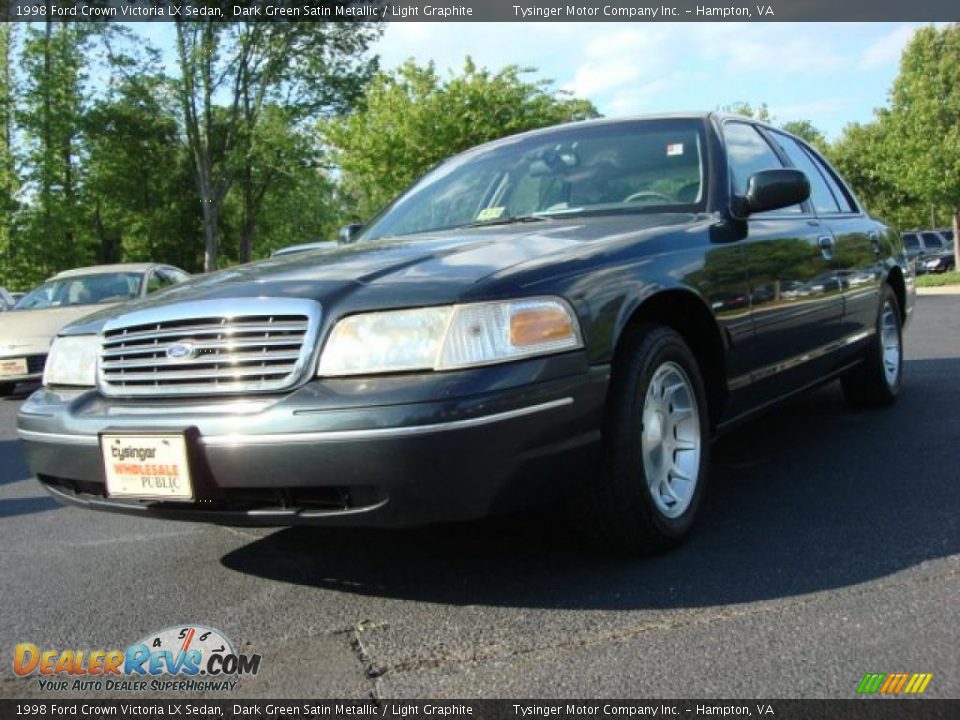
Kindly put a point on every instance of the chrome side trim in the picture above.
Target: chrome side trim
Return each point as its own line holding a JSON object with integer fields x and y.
{"x": 320, "y": 436}
{"x": 375, "y": 433}
{"x": 789, "y": 363}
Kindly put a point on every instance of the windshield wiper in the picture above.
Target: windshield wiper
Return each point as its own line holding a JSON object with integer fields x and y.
{"x": 509, "y": 220}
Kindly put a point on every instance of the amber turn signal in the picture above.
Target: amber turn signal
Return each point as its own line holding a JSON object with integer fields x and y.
{"x": 535, "y": 326}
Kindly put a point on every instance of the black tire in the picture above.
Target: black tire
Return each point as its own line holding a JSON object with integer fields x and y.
{"x": 869, "y": 384}
{"x": 616, "y": 510}
{"x": 6, "y": 389}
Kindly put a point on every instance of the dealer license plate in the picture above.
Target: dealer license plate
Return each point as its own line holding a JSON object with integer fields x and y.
{"x": 12, "y": 367}
{"x": 147, "y": 466}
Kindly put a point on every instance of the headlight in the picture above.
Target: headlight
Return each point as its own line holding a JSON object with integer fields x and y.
{"x": 72, "y": 361}
{"x": 445, "y": 338}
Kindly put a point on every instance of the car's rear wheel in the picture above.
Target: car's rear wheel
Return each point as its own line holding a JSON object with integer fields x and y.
{"x": 876, "y": 381}
{"x": 656, "y": 447}
{"x": 7, "y": 389}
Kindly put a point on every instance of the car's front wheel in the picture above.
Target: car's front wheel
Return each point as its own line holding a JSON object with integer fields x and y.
{"x": 7, "y": 389}
{"x": 876, "y": 381}
{"x": 656, "y": 447}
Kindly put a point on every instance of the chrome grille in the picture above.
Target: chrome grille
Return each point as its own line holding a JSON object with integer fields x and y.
{"x": 208, "y": 348}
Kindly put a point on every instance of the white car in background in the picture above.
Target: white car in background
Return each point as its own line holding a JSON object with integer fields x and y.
{"x": 27, "y": 330}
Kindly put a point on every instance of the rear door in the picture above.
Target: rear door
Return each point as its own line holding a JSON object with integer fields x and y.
{"x": 795, "y": 298}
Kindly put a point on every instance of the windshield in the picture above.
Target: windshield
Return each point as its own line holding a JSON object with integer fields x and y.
{"x": 639, "y": 166}
{"x": 82, "y": 290}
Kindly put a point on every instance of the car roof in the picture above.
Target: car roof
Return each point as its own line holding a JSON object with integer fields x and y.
{"x": 116, "y": 268}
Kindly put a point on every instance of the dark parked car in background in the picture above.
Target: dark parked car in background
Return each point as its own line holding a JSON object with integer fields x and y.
{"x": 932, "y": 250}
{"x": 579, "y": 309}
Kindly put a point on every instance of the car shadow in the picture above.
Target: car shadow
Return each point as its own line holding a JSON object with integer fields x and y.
{"x": 810, "y": 497}
{"x": 11, "y": 507}
{"x": 13, "y": 468}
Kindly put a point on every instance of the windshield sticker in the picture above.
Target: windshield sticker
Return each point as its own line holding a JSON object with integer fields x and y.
{"x": 491, "y": 213}
{"x": 674, "y": 149}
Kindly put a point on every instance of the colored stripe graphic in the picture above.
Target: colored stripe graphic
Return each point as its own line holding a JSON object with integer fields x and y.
{"x": 894, "y": 683}
{"x": 870, "y": 683}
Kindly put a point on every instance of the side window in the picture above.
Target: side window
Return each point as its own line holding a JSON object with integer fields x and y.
{"x": 820, "y": 195}
{"x": 911, "y": 241}
{"x": 162, "y": 278}
{"x": 155, "y": 282}
{"x": 847, "y": 204}
{"x": 747, "y": 153}
{"x": 172, "y": 276}
{"x": 932, "y": 241}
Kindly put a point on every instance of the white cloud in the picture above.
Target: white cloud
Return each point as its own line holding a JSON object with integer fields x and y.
{"x": 812, "y": 110}
{"x": 886, "y": 50}
{"x": 779, "y": 48}
{"x": 830, "y": 73}
{"x": 637, "y": 100}
{"x": 492, "y": 45}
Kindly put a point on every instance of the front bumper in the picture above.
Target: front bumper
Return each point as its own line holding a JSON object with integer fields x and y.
{"x": 405, "y": 450}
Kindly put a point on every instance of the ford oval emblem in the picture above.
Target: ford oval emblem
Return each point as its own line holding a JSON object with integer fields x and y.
{"x": 181, "y": 351}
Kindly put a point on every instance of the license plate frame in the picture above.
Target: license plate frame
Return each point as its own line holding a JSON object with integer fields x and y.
{"x": 127, "y": 482}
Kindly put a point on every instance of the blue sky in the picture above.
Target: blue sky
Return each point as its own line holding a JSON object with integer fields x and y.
{"x": 828, "y": 73}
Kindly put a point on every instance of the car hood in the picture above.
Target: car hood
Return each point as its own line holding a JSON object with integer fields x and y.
{"x": 30, "y": 331}
{"x": 445, "y": 264}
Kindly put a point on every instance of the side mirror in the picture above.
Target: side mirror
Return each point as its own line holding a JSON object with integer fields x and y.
{"x": 774, "y": 189}
{"x": 348, "y": 233}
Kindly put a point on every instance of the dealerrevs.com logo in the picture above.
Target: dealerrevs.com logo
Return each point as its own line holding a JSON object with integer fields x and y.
{"x": 187, "y": 658}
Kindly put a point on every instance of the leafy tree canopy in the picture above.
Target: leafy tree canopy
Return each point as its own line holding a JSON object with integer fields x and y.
{"x": 412, "y": 118}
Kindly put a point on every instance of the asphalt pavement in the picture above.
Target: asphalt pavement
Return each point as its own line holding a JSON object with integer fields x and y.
{"x": 828, "y": 547}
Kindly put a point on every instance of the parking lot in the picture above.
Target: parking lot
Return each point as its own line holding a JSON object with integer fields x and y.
{"x": 829, "y": 547}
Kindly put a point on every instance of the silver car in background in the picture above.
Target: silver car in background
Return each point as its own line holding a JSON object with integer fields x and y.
{"x": 28, "y": 328}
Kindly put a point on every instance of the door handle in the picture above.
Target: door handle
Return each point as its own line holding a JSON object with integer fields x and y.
{"x": 826, "y": 243}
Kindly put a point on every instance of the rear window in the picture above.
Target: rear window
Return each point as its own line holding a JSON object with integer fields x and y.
{"x": 911, "y": 241}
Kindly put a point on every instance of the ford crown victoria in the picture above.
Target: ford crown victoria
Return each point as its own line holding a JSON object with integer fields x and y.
{"x": 574, "y": 310}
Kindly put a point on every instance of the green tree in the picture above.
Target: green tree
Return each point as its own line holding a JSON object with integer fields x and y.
{"x": 309, "y": 69}
{"x": 803, "y": 129}
{"x": 806, "y": 130}
{"x": 53, "y": 62}
{"x": 9, "y": 184}
{"x": 905, "y": 163}
{"x": 863, "y": 155}
{"x": 138, "y": 193}
{"x": 925, "y": 120}
{"x": 411, "y": 118}
{"x": 742, "y": 107}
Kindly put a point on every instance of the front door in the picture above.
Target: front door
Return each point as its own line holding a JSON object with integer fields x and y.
{"x": 795, "y": 290}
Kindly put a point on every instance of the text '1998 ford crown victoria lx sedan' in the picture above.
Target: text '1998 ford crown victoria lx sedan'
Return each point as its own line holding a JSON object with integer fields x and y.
{"x": 576, "y": 310}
